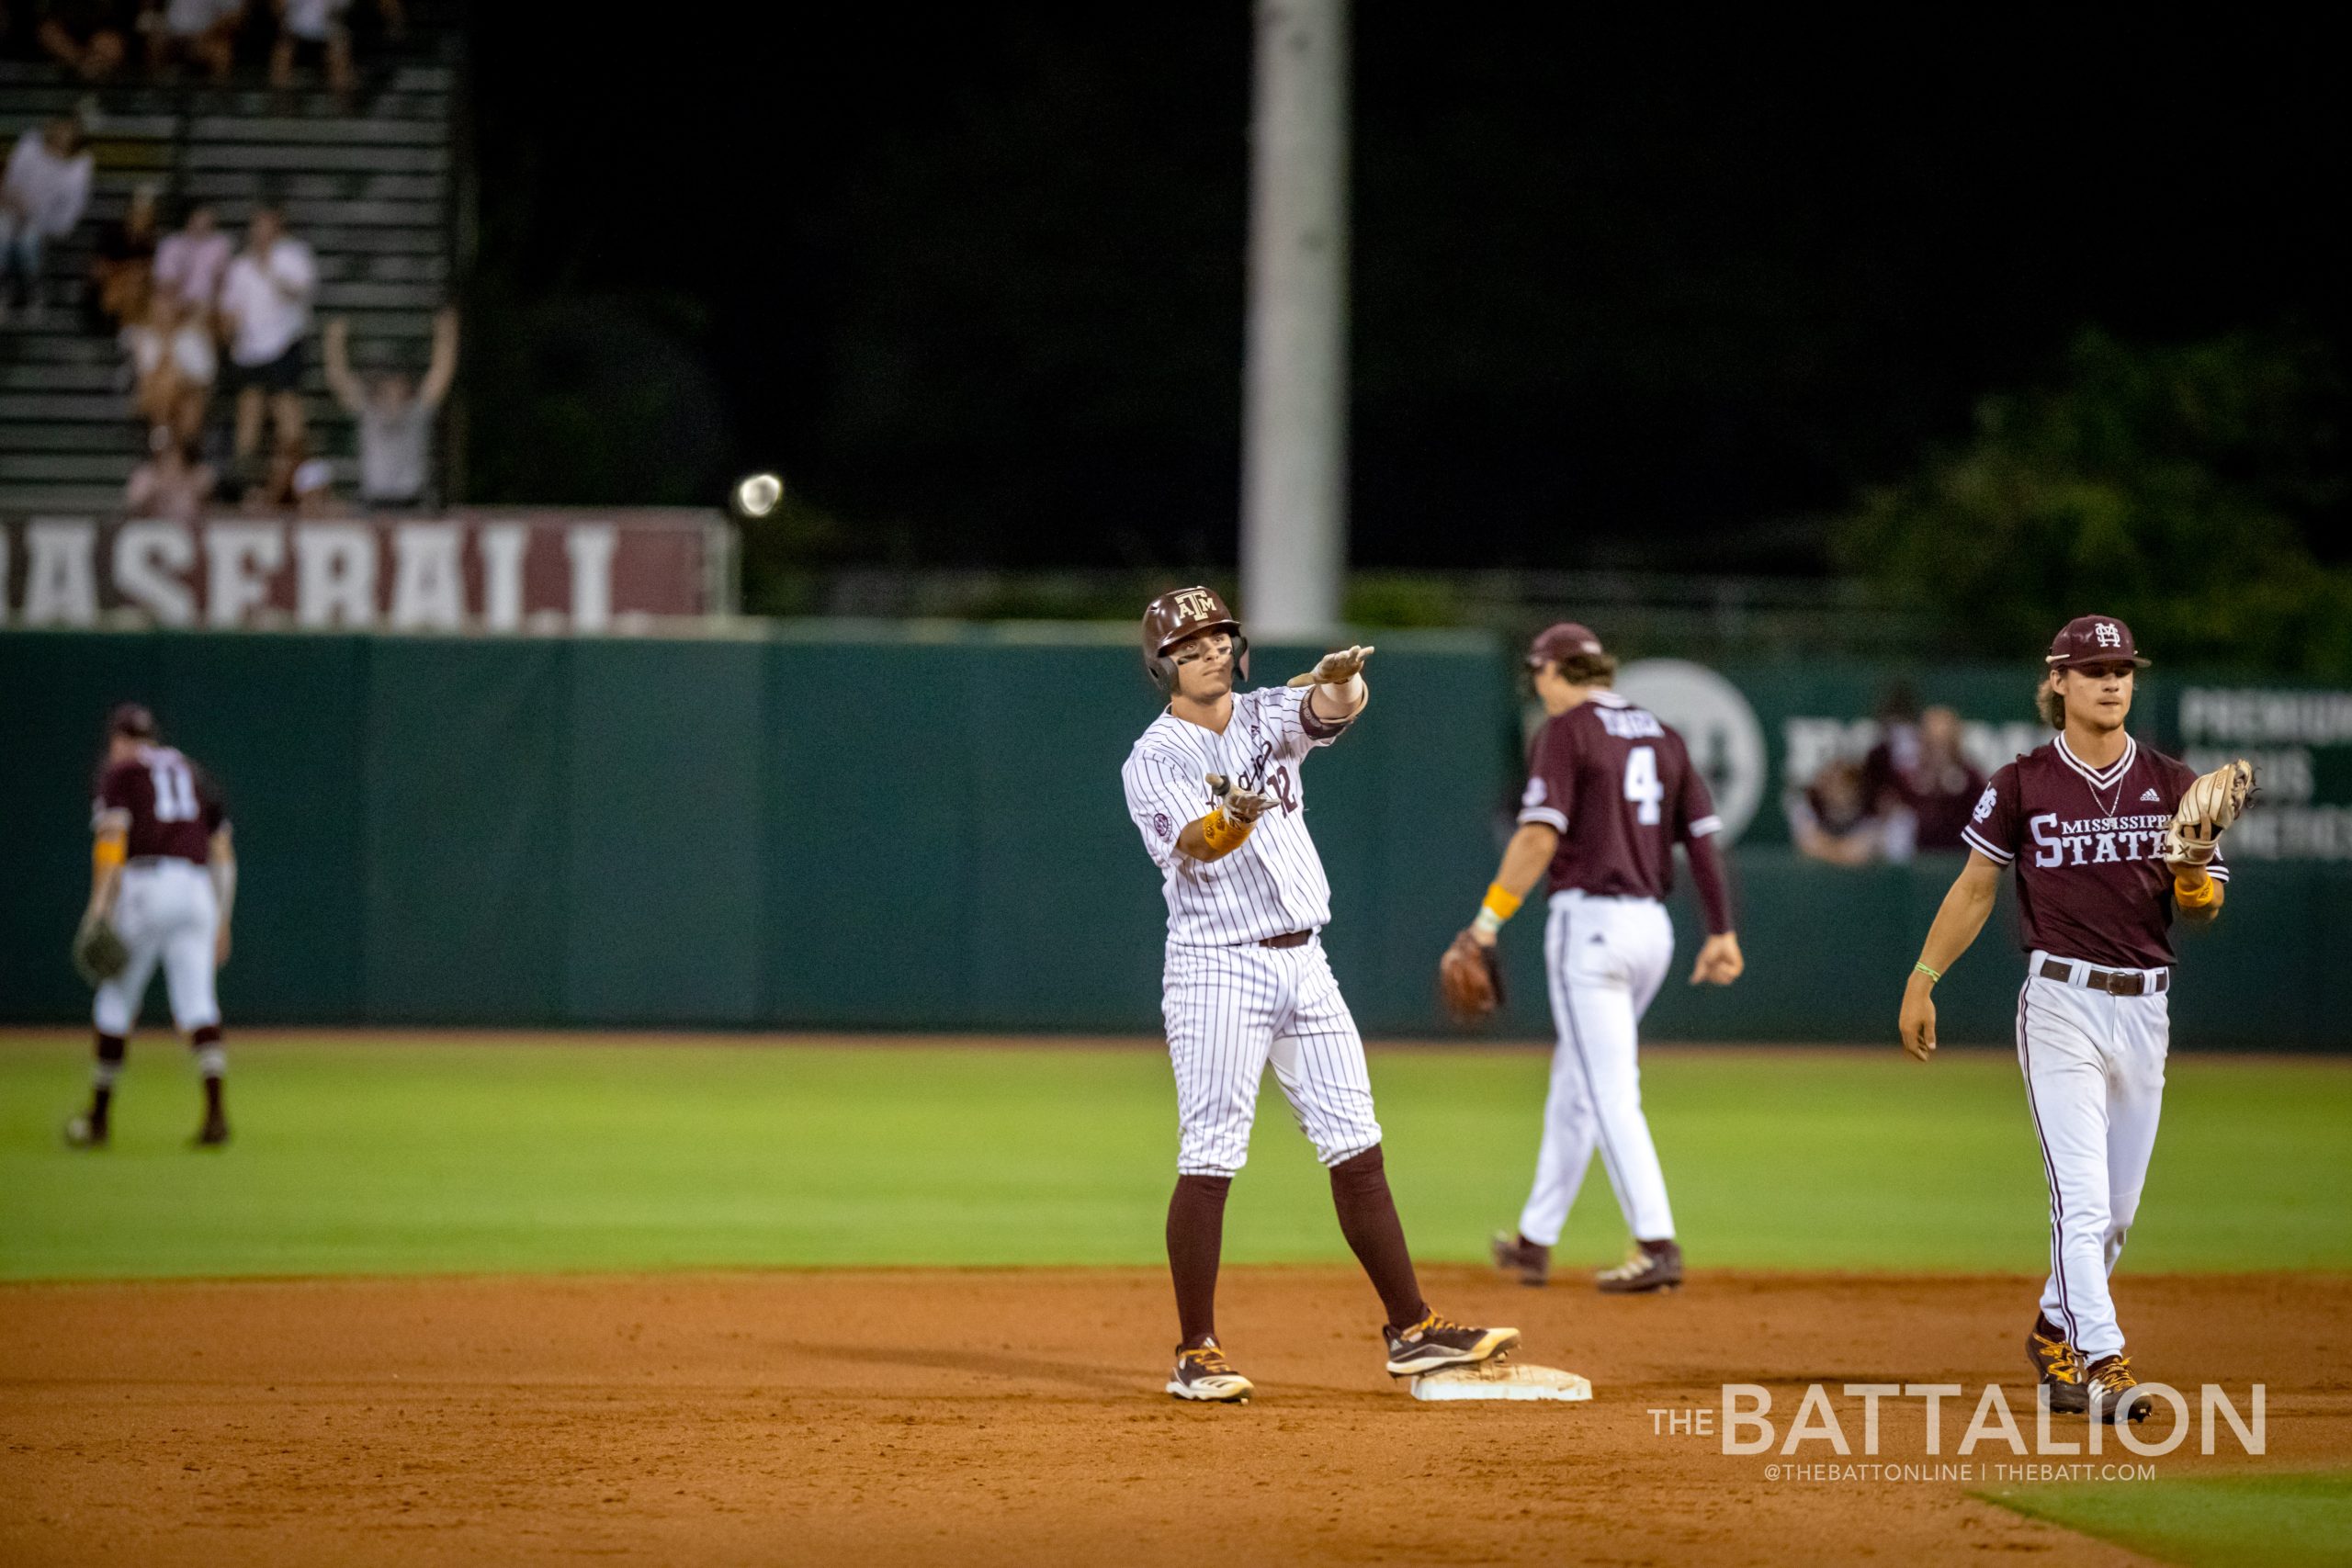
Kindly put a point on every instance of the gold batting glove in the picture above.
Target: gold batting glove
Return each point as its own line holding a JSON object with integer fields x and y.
{"x": 1335, "y": 669}
{"x": 1241, "y": 804}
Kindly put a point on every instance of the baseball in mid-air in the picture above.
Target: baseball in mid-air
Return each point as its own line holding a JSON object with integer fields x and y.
{"x": 756, "y": 494}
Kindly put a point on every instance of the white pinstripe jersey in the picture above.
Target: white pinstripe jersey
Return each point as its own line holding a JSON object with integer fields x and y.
{"x": 1273, "y": 884}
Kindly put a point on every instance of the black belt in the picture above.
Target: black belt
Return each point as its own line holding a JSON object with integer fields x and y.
{"x": 1288, "y": 938}
{"x": 2115, "y": 983}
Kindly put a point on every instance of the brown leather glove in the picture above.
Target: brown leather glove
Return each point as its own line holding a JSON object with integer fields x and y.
{"x": 1470, "y": 977}
{"x": 99, "y": 952}
{"x": 2208, "y": 806}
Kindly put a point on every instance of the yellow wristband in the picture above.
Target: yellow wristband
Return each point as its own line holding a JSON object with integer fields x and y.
{"x": 1499, "y": 905}
{"x": 1221, "y": 833}
{"x": 1932, "y": 975}
{"x": 107, "y": 850}
{"x": 2196, "y": 898}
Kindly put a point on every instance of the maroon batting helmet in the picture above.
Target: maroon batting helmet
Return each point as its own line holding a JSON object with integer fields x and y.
{"x": 1184, "y": 613}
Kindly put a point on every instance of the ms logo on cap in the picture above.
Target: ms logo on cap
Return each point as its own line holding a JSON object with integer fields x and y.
{"x": 2108, "y": 636}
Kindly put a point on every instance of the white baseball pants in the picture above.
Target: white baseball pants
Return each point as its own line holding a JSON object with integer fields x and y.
{"x": 1605, "y": 958}
{"x": 164, "y": 911}
{"x": 2094, "y": 1069}
{"x": 1231, "y": 1010}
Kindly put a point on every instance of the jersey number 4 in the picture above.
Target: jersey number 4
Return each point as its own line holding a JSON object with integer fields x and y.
{"x": 1641, "y": 784}
{"x": 174, "y": 790}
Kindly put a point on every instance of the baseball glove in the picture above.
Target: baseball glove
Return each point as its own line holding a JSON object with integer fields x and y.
{"x": 99, "y": 952}
{"x": 1470, "y": 977}
{"x": 2211, "y": 804}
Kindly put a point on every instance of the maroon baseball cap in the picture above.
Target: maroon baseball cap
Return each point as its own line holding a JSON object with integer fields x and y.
{"x": 1558, "y": 643}
{"x": 131, "y": 720}
{"x": 2093, "y": 639}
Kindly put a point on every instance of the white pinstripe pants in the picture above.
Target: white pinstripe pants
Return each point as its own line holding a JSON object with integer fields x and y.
{"x": 1231, "y": 1010}
{"x": 1605, "y": 958}
{"x": 2094, "y": 1069}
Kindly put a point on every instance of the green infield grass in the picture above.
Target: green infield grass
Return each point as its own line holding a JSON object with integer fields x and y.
{"x": 439, "y": 1155}
{"x": 2276, "y": 1521}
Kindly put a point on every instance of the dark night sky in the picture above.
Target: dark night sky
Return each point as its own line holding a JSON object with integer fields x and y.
{"x": 975, "y": 284}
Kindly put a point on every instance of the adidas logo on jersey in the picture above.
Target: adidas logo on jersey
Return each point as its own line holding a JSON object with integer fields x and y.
{"x": 2151, "y": 793}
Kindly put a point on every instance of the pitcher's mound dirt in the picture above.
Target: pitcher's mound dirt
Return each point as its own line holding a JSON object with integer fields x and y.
{"x": 969, "y": 1417}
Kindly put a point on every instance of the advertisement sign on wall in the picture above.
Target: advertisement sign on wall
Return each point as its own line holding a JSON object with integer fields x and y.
{"x": 2301, "y": 745}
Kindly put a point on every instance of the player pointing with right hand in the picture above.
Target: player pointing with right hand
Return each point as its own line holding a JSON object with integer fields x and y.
{"x": 2110, "y": 841}
{"x": 1216, "y": 789}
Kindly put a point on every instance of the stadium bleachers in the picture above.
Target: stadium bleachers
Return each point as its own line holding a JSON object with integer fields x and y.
{"x": 371, "y": 185}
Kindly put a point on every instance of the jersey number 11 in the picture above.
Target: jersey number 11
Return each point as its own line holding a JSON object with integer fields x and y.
{"x": 176, "y": 791}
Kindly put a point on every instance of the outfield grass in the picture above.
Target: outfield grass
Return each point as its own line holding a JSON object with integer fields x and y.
{"x": 441, "y": 1155}
{"x": 2277, "y": 1521}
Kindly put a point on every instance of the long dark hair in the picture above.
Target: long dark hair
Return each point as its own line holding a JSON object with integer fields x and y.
{"x": 1587, "y": 669}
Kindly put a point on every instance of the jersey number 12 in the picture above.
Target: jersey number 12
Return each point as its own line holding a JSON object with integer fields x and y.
{"x": 1641, "y": 784}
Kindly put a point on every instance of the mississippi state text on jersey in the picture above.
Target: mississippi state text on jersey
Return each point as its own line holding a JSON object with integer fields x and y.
{"x": 2088, "y": 847}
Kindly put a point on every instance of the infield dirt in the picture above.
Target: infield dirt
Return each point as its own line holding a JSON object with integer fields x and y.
{"x": 1016, "y": 1416}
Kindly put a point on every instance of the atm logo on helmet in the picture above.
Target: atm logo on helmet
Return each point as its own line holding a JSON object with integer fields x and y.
{"x": 1195, "y": 603}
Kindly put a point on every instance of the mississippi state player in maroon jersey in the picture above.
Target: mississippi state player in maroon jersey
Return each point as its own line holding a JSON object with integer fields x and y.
{"x": 1609, "y": 792}
{"x": 163, "y": 872}
{"x": 2083, "y": 821}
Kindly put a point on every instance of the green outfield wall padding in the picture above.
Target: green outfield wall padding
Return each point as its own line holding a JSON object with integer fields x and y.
{"x": 870, "y": 835}
{"x": 277, "y": 720}
{"x": 1066, "y": 916}
{"x": 924, "y": 828}
{"x": 54, "y": 694}
{"x": 465, "y": 793}
{"x": 663, "y": 792}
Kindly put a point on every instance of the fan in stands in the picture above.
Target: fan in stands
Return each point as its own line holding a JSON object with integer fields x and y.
{"x": 111, "y": 338}
{"x": 42, "y": 197}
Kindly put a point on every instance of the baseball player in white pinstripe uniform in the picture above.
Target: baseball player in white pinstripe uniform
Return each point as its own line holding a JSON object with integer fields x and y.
{"x": 1214, "y": 788}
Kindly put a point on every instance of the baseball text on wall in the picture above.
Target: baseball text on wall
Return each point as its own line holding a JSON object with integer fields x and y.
{"x": 539, "y": 571}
